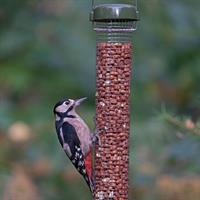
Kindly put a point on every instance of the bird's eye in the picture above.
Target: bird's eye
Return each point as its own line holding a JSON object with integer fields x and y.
{"x": 66, "y": 103}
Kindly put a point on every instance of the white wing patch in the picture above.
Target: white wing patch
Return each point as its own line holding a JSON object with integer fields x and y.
{"x": 67, "y": 149}
{"x": 80, "y": 163}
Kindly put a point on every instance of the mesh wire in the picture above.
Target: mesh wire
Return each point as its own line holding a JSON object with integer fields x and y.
{"x": 112, "y": 119}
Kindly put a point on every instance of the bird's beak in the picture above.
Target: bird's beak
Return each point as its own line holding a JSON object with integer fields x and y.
{"x": 79, "y": 101}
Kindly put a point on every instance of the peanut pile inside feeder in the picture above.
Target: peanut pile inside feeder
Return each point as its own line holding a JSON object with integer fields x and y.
{"x": 113, "y": 119}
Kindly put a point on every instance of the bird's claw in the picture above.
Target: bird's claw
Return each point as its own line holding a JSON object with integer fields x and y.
{"x": 96, "y": 137}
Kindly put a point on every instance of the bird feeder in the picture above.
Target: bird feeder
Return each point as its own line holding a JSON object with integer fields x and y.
{"x": 114, "y": 25}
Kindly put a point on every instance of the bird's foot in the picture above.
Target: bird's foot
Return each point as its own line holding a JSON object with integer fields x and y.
{"x": 96, "y": 137}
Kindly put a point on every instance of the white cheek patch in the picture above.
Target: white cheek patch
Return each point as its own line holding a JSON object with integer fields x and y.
{"x": 62, "y": 108}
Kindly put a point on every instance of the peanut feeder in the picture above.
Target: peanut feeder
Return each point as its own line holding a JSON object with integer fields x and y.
{"x": 114, "y": 24}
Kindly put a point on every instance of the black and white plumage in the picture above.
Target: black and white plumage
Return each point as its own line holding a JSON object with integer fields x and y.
{"x": 75, "y": 137}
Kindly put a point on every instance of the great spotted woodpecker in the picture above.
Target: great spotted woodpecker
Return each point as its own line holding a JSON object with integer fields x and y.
{"x": 75, "y": 137}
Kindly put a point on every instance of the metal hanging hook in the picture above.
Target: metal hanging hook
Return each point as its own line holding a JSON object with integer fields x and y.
{"x": 136, "y": 4}
{"x": 92, "y": 3}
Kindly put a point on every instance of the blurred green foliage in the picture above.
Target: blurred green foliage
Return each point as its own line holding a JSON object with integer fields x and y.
{"x": 47, "y": 52}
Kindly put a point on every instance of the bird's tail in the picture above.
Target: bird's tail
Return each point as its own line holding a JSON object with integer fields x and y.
{"x": 89, "y": 183}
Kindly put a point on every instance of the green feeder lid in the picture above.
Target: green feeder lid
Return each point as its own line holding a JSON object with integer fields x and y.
{"x": 116, "y": 12}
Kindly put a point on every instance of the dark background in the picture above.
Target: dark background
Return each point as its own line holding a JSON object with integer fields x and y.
{"x": 47, "y": 52}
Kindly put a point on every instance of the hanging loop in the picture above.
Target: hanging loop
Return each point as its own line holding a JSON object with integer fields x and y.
{"x": 92, "y": 4}
{"x": 136, "y": 4}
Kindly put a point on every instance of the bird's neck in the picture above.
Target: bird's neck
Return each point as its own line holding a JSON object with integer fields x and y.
{"x": 59, "y": 122}
{"x": 71, "y": 114}
{"x": 61, "y": 116}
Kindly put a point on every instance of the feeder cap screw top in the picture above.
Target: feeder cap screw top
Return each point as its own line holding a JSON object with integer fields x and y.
{"x": 115, "y": 12}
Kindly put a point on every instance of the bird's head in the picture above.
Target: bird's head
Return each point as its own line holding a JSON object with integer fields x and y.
{"x": 66, "y": 107}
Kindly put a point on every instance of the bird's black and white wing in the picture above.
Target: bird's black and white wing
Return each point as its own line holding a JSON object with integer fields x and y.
{"x": 70, "y": 142}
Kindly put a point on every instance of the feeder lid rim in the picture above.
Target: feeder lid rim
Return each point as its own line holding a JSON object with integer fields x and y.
{"x": 117, "y": 12}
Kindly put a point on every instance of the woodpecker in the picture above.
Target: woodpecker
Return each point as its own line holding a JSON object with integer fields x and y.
{"x": 75, "y": 137}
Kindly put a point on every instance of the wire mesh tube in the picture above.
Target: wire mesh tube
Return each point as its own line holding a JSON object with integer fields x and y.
{"x": 113, "y": 76}
{"x": 114, "y": 24}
